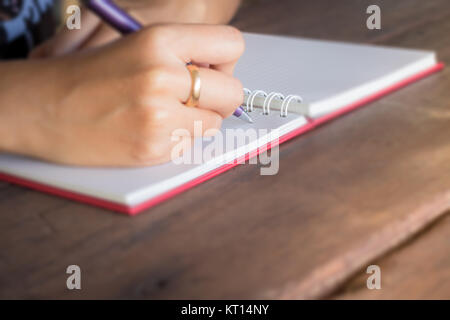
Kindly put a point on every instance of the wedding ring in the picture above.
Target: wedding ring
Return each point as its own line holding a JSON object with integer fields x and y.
{"x": 194, "y": 97}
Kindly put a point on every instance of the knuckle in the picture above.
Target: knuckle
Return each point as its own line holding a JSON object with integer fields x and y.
{"x": 158, "y": 116}
{"x": 234, "y": 32}
{"x": 149, "y": 130}
{"x": 237, "y": 37}
{"x": 152, "y": 117}
{"x": 156, "y": 36}
{"x": 147, "y": 121}
{"x": 148, "y": 87}
{"x": 157, "y": 79}
{"x": 142, "y": 99}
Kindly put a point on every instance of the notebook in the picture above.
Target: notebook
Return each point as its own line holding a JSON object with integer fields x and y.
{"x": 294, "y": 85}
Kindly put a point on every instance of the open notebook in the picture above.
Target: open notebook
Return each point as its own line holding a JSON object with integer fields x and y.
{"x": 331, "y": 77}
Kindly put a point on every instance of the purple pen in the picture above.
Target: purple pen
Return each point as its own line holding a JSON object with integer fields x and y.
{"x": 240, "y": 113}
{"x": 113, "y": 15}
{"x": 125, "y": 24}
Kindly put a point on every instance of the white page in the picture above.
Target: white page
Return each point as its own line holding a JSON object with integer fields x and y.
{"x": 328, "y": 75}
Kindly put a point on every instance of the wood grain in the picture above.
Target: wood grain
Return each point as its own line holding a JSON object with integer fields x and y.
{"x": 418, "y": 270}
{"x": 341, "y": 190}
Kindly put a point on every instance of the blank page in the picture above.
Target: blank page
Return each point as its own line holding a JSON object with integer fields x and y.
{"x": 327, "y": 74}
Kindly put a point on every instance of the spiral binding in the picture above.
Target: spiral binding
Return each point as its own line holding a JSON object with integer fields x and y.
{"x": 268, "y": 98}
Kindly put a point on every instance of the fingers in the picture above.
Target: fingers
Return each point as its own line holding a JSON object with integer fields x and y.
{"x": 178, "y": 136}
{"x": 216, "y": 45}
{"x": 166, "y": 50}
{"x": 219, "y": 92}
{"x": 197, "y": 122}
{"x": 166, "y": 127}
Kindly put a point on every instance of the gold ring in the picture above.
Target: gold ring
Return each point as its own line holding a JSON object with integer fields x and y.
{"x": 194, "y": 97}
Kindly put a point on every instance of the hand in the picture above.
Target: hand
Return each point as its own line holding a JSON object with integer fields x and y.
{"x": 119, "y": 105}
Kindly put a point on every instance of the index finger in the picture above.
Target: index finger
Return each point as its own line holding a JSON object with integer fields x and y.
{"x": 218, "y": 45}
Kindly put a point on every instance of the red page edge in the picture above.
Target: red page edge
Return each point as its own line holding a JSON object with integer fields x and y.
{"x": 171, "y": 193}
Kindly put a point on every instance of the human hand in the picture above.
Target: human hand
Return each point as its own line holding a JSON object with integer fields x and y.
{"x": 118, "y": 105}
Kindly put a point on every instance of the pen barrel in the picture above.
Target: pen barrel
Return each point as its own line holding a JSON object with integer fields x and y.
{"x": 113, "y": 15}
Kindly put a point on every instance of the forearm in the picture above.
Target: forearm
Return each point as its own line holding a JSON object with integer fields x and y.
{"x": 192, "y": 11}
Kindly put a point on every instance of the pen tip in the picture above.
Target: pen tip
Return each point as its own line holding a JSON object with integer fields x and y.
{"x": 247, "y": 117}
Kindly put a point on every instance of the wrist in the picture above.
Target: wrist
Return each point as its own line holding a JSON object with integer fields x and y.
{"x": 10, "y": 87}
{"x": 26, "y": 90}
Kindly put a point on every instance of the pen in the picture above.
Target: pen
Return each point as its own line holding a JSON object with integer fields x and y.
{"x": 125, "y": 24}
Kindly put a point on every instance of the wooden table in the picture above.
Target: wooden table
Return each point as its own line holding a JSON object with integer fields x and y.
{"x": 370, "y": 188}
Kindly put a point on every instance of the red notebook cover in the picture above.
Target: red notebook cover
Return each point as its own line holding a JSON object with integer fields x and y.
{"x": 156, "y": 200}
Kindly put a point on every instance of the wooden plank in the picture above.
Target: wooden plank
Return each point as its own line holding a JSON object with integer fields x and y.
{"x": 345, "y": 20}
{"x": 418, "y": 270}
